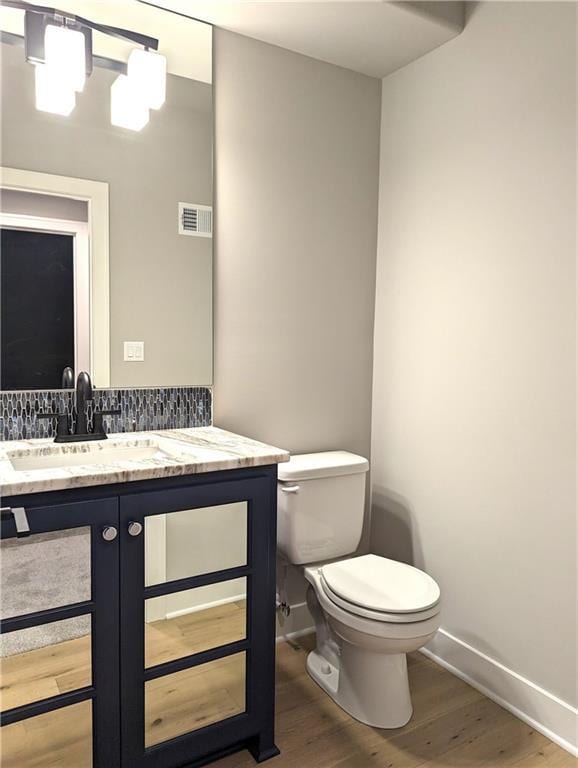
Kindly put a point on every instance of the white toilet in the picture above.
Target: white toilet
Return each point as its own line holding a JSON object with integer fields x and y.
{"x": 369, "y": 611}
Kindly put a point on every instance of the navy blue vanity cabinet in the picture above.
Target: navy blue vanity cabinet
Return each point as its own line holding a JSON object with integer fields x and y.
{"x": 79, "y": 714}
{"x": 183, "y": 616}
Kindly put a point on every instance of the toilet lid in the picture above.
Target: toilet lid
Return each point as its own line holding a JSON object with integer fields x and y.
{"x": 380, "y": 584}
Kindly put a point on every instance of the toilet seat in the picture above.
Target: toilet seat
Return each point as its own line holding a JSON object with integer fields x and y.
{"x": 381, "y": 616}
{"x": 380, "y": 589}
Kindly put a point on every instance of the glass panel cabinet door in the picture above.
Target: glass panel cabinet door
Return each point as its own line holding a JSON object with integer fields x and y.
{"x": 195, "y": 577}
{"x": 58, "y": 622}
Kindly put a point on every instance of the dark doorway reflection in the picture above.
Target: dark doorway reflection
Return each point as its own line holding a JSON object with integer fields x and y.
{"x": 37, "y": 308}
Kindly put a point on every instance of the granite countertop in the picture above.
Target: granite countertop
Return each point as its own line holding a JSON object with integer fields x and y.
{"x": 163, "y": 453}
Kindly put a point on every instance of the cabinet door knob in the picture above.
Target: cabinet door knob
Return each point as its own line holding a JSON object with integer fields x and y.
{"x": 109, "y": 533}
{"x": 134, "y": 528}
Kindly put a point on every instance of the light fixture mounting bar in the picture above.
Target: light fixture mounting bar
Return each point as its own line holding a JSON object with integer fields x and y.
{"x": 54, "y": 13}
{"x": 98, "y": 61}
{"x": 34, "y": 36}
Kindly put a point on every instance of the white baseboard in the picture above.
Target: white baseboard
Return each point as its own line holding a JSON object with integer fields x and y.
{"x": 204, "y": 606}
{"x": 546, "y": 713}
{"x": 288, "y": 637}
{"x": 297, "y": 624}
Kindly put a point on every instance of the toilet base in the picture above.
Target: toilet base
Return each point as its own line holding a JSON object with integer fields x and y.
{"x": 324, "y": 673}
{"x": 371, "y": 687}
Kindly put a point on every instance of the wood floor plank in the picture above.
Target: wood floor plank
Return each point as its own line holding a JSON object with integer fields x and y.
{"x": 509, "y": 742}
{"x": 550, "y": 756}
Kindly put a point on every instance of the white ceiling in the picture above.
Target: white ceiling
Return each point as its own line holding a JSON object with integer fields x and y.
{"x": 374, "y": 37}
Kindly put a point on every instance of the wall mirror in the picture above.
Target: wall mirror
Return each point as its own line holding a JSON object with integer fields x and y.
{"x": 106, "y": 212}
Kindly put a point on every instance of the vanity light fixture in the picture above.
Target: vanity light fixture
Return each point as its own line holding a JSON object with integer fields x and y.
{"x": 148, "y": 73}
{"x": 127, "y": 108}
{"x": 65, "y": 55}
{"x": 59, "y": 44}
{"x": 63, "y": 73}
{"x": 143, "y": 88}
{"x": 52, "y": 94}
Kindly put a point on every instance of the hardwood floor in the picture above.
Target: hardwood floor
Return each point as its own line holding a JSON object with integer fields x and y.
{"x": 453, "y": 725}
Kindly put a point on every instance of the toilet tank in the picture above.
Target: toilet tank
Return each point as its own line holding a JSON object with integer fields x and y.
{"x": 320, "y": 503}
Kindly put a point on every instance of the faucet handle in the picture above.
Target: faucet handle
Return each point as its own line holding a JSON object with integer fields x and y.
{"x": 62, "y": 422}
{"x": 97, "y": 423}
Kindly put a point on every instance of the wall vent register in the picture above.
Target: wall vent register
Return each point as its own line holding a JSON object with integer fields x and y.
{"x": 196, "y": 220}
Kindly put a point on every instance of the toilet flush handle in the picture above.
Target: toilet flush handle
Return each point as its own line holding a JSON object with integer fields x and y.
{"x": 289, "y": 488}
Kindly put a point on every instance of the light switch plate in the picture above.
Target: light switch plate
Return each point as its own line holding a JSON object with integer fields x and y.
{"x": 134, "y": 351}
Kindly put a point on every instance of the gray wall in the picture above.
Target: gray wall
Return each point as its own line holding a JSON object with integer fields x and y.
{"x": 149, "y": 172}
{"x": 46, "y": 206}
{"x": 474, "y": 386}
{"x": 297, "y": 150}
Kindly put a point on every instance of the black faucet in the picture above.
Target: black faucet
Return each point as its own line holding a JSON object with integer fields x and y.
{"x": 83, "y": 395}
{"x": 81, "y": 431}
{"x": 67, "y": 378}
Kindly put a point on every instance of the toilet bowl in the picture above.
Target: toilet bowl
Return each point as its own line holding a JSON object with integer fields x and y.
{"x": 369, "y": 611}
{"x": 360, "y": 656}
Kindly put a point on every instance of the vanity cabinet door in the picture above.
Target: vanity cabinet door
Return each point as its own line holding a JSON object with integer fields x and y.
{"x": 198, "y": 621}
{"x": 59, "y": 629}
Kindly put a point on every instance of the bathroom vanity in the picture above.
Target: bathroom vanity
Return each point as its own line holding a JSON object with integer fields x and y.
{"x": 154, "y": 552}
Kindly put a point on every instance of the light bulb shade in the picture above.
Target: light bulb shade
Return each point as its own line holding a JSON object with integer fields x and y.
{"x": 64, "y": 54}
{"x": 52, "y": 94}
{"x": 148, "y": 73}
{"x": 127, "y": 109}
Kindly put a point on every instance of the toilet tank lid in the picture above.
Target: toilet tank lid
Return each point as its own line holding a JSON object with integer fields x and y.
{"x": 308, "y": 466}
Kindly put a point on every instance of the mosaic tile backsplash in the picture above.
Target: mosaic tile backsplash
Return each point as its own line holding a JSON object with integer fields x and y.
{"x": 141, "y": 409}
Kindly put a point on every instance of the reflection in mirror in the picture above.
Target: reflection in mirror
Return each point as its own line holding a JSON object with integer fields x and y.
{"x": 43, "y": 571}
{"x": 106, "y": 232}
{"x": 191, "y": 542}
{"x": 212, "y": 616}
{"x": 194, "y": 698}
{"x": 62, "y": 737}
{"x": 39, "y": 346}
{"x": 37, "y": 573}
{"x": 180, "y": 545}
{"x": 38, "y": 662}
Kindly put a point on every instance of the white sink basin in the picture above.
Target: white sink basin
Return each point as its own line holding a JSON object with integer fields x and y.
{"x": 106, "y": 453}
